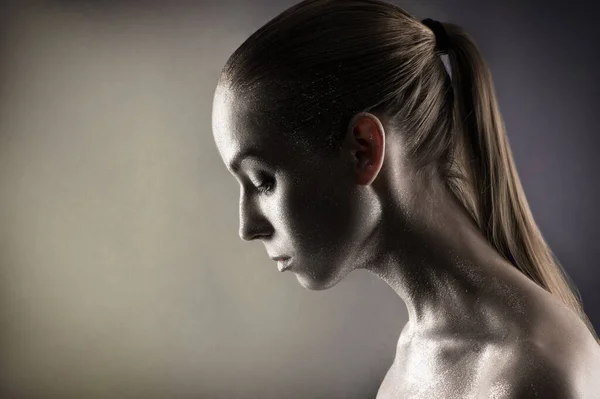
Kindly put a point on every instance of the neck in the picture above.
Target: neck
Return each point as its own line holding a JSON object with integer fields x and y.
{"x": 450, "y": 277}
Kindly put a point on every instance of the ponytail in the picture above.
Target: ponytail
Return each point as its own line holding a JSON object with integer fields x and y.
{"x": 321, "y": 61}
{"x": 497, "y": 201}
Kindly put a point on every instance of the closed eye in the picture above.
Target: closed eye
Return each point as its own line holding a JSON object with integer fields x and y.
{"x": 265, "y": 187}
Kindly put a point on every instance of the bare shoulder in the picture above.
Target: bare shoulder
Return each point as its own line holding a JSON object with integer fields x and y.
{"x": 560, "y": 355}
{"x": 538, "y": 380}
{"x": 569, "y": 370}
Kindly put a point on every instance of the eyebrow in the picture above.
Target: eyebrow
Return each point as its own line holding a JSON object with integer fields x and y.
{"x": 234, "y": 166}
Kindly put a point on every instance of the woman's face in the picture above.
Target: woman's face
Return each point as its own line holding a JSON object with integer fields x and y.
{"x": 298, "y": 203}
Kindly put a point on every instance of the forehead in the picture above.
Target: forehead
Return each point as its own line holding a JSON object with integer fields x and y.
{"x": 224, "y": 125}
{"x": 239, "y": 130}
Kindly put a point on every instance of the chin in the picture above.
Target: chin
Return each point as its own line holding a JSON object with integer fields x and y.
{"x": 312, "y": 284}
{"x": 319, "y": 282}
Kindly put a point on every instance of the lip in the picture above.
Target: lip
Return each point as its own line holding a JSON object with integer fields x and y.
{"x": 283, "y": 262}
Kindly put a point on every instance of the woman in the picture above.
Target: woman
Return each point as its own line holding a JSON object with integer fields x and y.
{"x": 355, "y": 148}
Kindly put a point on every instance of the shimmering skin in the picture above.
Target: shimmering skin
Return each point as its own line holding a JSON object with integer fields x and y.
{"x": 477, "y": 328}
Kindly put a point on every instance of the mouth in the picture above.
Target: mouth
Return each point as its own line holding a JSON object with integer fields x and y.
{"x": 283, "y": 262}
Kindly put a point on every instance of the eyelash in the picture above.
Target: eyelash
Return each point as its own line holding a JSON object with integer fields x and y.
{"x": 265, "y": 188}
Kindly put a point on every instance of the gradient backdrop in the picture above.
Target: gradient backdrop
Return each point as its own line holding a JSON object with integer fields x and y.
{"x": 122, "y": 274}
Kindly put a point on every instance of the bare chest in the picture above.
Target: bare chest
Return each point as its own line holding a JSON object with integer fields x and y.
{"x": 449, "y": 372}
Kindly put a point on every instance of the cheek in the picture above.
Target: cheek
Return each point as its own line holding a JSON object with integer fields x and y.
{"x": 319, "y": 217}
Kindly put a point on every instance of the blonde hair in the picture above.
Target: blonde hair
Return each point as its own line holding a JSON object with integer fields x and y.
{"x": 493, "y": 193}
{"x": 317, "y": 64}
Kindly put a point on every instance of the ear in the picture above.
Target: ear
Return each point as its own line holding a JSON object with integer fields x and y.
{"x": 366, "y": 141}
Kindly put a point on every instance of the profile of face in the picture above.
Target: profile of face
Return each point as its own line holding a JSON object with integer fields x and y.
{"x": 313, "y": 208}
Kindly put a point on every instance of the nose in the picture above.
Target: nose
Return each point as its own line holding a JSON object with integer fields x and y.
{"x": 249, "y": 235}
{"x": 253, "y": 224}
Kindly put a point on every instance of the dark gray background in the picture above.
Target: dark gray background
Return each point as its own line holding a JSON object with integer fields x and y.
{"x": 121, "y": 271}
